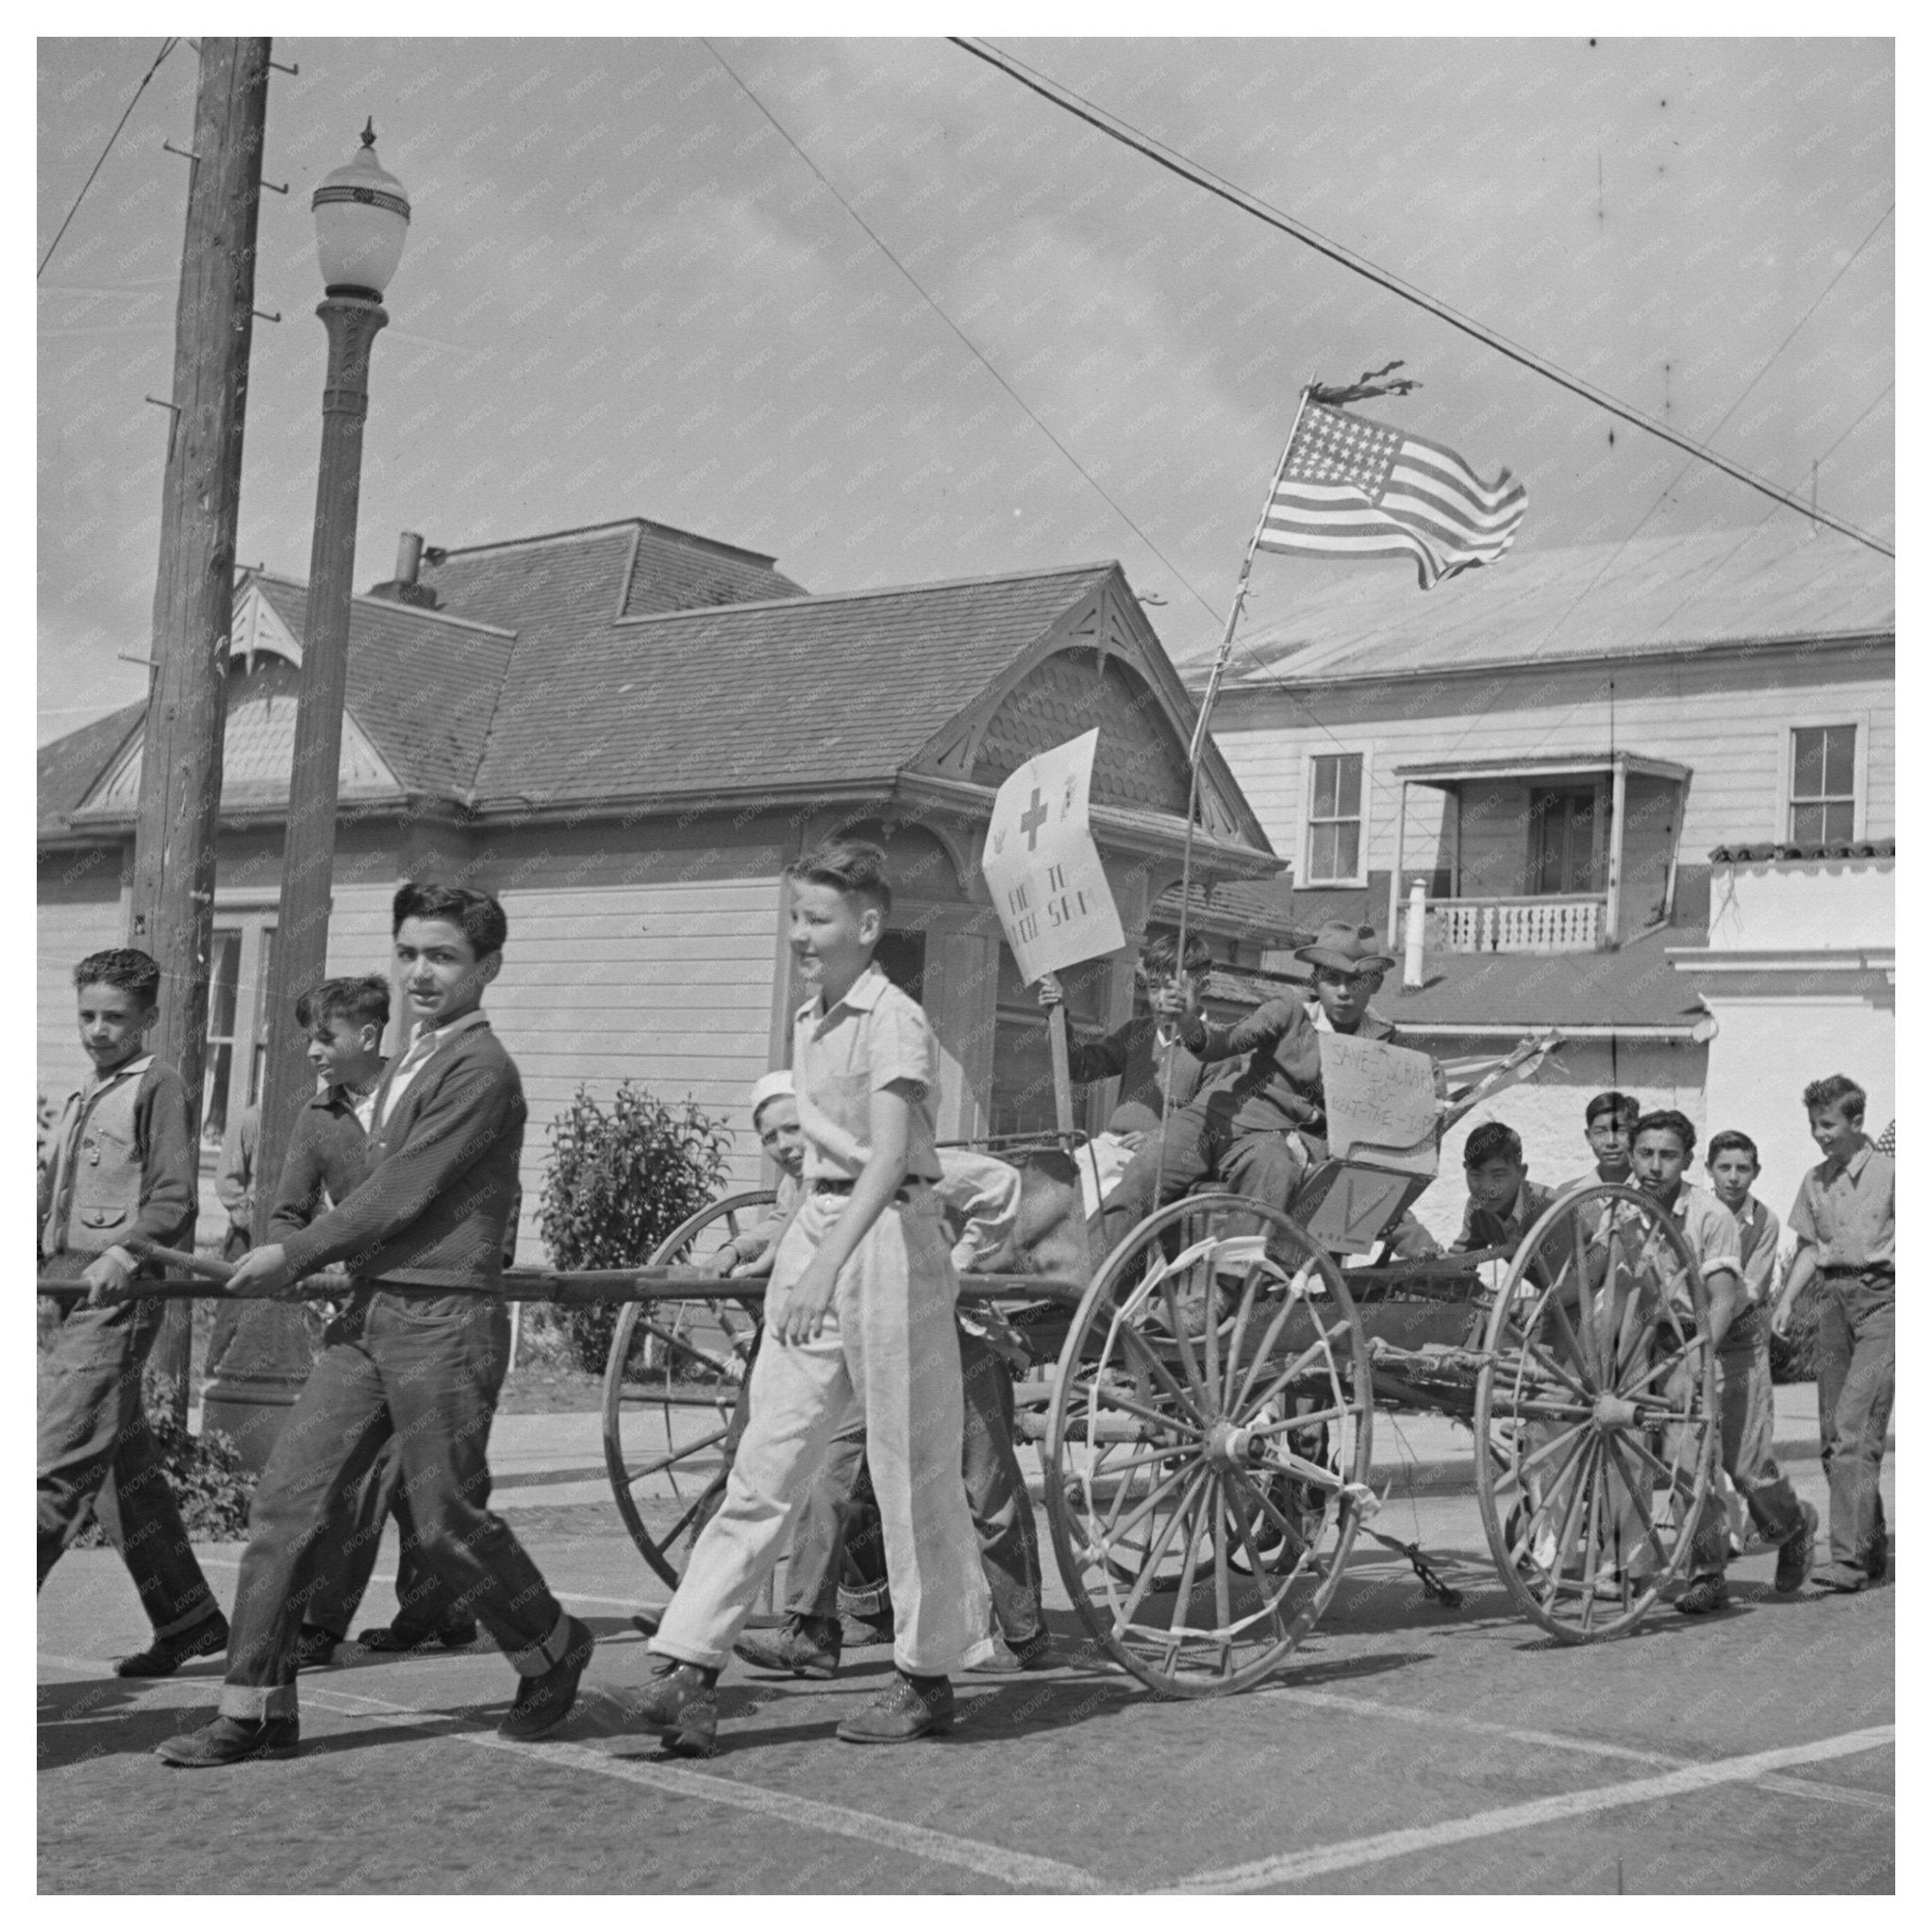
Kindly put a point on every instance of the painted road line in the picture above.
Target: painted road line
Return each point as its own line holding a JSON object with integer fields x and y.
{"x": 1022, "y": 1871}
{"x": 1290, "y": 1868}
{"x": 1559, "y": 1741}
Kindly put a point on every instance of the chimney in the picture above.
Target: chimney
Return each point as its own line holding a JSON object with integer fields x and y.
{"x": 402, "y": 587}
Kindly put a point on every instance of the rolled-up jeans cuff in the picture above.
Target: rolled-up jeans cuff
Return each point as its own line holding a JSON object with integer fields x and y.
{"x": 546, "y": 1656}
{"x": 252, "y": 1702}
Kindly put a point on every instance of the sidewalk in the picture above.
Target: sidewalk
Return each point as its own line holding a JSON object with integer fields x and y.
{"x": 545, "y": 1460}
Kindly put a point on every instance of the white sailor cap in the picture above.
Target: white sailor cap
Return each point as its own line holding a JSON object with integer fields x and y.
{"x": 770, "y": 1085}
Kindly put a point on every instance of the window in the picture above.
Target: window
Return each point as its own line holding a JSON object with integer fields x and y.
{"x": 1335, "y": 818}
{"x": 1824, "y": 784}
{"x": 1566, "y": 839}
{"x": 237, "y": 1022}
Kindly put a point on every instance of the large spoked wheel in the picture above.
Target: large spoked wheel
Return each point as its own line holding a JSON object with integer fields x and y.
{"x": 1596, "y": 1416}
{"x": 1208, "y": 1445}
{"x": 671, "y": 1384}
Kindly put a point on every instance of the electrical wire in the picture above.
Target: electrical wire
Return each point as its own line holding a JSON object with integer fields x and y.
{"x": 168, "y": 46}
{"x": 1176, "y": 163}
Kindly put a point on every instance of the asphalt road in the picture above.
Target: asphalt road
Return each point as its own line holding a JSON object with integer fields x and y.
{"x": 1411, "y": 1748}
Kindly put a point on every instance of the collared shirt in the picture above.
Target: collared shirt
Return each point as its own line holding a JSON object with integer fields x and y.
{"x": 1711, "y": 1230}
{"x": 1846, "y": 1210}
{"x": 842, "y": 1056}
{"x": 427, "y": 1040}
{"x": 1483, "y": 1227}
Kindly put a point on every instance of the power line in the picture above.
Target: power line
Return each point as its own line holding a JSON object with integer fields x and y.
{"x": 168, "y": 46}
{"x": 1129, "y": 136}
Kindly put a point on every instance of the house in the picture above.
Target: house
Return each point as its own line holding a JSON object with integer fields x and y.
{"x": 626, "y": 732}
{"x": 1617, "y": 770}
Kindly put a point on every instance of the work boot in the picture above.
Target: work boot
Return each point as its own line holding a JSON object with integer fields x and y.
{"x": 166, "y": 1655}
{"x": 1705, "y": 1594}
{"x": 389, "y": 1641}
{"x": 1794, "y": 1553}
{"x": 911, "y": 1707}
{"x": 232, "y": 1740}
{"x": 1846, "y": 1579}
{"x": 865, "y": 1633}
{"x": 1033, "y": 1653}
{"x": 315, "y": 1648}
{"x": 805, "y": 1646}
{"x": 680, "y": 1704}
{"x": 545, "y": 1701}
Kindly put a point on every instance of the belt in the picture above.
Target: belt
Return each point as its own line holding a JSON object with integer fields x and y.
{"x": 1856, "y": 1272}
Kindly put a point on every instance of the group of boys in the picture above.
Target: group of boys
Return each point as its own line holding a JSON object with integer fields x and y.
{"x": 1842, "y": 1221}
{"x": 403, "y": 1174}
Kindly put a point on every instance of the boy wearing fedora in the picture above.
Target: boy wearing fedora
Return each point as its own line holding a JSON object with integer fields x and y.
{"x": 1261, "y": 1102}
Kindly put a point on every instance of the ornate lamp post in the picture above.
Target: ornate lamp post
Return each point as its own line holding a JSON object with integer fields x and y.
{"x": 258, "y": 1352}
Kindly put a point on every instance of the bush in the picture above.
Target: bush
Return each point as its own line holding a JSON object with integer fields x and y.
{"x": 1794, "y": 1356}
{"x": 210, "y": 1485}
{"x": 616, "y": 1185}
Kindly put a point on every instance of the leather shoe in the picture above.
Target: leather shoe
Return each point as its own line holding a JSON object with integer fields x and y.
{"x": 388, "y": 1640}
{"x": 804, "y": 1646}
{"x": 680, "y": 1707}
{"x": 1705, "y": 1594}
{"x": 545, "y": 1701}
{"x": 1794, "y": 1553}
{"x": 315, "y": 1648}
{"x": 1845, "y": 1577}
{"x": 1033, "y": 1653}
{"x": 865, "y": 1633}
{"x": 232, "y": 1740}
{"x": 165, "y": 1654}
{"x": 903, "y": 1713}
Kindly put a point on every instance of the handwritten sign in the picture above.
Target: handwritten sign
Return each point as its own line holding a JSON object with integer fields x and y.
{"x": 1042, "y": 867}
{"x": 1381, "y": 1103}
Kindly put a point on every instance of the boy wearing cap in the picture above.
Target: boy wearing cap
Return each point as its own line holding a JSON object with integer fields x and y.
{"x": 1249, "y": 1126}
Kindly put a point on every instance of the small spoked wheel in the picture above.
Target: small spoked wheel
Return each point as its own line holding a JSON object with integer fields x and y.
{"x": 671, "y": 1384}
{"x": 1208, "y": 1445}
{"x": 1596, "y": 1416}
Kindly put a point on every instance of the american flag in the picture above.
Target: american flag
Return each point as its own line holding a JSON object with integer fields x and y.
{"x": 1352, "y": 488}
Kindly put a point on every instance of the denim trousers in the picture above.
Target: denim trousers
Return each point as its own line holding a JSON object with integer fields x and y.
{"x": 95, "y": 1446}
{"x": 1201, "y": 1142}
{"x": 889, "y": 1347}
{"x": 1745, "y": 1419}
{"x": 422, "y": 1370}
{"x": 423, "y": 1605}
{"x": 838, "y": 1523}
{"x": 1857, "y": 1362}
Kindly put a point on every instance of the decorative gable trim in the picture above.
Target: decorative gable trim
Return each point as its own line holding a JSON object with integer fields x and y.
{"x": 257, "y": 629}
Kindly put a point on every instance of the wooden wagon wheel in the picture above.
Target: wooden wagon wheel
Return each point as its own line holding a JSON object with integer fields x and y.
{"x": 671, "y": 1383}
{"x": 1596, "y": 1414}
{"x": 1203, "y": 1368}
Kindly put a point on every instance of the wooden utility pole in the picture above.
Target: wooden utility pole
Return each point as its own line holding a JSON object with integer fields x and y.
{"x": 173, "y": 913}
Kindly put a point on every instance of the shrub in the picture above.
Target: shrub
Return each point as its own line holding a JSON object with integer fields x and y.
{"x": 206, "y": 1473}
{"x": 617, "y": 1182}
{"x": 1794, "y": 1356}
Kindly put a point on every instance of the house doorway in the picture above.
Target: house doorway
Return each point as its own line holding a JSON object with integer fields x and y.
{"x": 1567, "y": 827}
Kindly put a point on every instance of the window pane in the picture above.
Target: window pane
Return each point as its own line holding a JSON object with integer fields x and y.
{"x": 225, "y": 962}
{"x": 1837, "y": 823}
{"x": 1322, "y": 852}
{"x": 1351, "y": 807}
{"x": 215, "y": 1106}
{"x": 1808, "y": 762}
{"x": 1807, "y": 825}
{"x": 1348, "y": 842}
{"x": 1838, "y": 742}
{"x": 1324, "y": 806}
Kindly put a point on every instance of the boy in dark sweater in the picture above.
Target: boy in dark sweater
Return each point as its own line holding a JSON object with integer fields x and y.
{"x": 123, "y": 1174}
{"x": 419, "y": 1359}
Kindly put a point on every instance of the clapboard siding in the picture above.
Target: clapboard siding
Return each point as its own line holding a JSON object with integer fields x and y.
{"x": 669, "y": 985}
{"x": 1729, "y": 722}
{"x": 80, "y": 913}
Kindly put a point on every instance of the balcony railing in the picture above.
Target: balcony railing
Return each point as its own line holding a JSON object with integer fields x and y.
{"x": 1515, "y": 925}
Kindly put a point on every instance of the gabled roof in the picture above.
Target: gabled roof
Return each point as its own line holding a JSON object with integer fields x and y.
{"x": 66, "y": 769}
{"x": 1654, "y": 594}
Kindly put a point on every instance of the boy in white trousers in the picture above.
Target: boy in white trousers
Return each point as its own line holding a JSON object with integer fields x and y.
{"x": 859, "y": 1312}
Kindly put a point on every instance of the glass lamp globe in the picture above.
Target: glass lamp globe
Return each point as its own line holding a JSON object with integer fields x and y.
{"x": 361, "y": 221}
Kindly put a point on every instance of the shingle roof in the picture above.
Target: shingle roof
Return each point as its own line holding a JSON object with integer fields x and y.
{"x": 1262, "y": 910}
{"x": 66, "y": 768}
{"x": 1652, "y": 594}
{"x": 811, "y": 690}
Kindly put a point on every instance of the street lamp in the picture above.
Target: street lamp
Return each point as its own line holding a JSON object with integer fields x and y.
{"x": 258, "y": 1352}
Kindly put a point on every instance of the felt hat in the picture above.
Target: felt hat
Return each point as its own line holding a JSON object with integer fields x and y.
{"x": 1345, "y": 948}
{"x": 773, "y": 1085}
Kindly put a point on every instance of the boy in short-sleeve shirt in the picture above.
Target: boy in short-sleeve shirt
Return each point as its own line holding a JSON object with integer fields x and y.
{"x": 859, "y": 1310}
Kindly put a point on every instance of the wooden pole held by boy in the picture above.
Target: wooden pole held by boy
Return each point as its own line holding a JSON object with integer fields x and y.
{"x": 172, "y": 915}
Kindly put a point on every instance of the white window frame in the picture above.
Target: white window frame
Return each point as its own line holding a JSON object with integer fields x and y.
{"x": 1307, "y": 873}
{"x": 1859, "y": 723}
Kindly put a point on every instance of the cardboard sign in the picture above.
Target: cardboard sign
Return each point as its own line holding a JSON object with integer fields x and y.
{"x": 1042, "y": 867}
{"x": 1381, "y": 1103}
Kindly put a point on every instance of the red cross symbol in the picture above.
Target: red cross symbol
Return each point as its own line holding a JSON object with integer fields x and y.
{"x": 1032, "y": 819}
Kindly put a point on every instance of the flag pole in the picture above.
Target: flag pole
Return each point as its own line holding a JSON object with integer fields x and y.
{"x": 1198, "y": 745}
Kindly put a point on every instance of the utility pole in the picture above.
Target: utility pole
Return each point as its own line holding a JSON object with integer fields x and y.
{"x": 173, "y": 913}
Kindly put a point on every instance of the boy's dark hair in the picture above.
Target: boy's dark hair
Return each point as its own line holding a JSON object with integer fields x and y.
{"x": 851, "y": 866}
{"x": 1493, "y": 1141}
{"x": 477, "y": 915}
{"x": 1624, "y": 1106}
{"x": 362, "y": 1000}
{"x": 1158, "y": 955}
{"x": 1667, "y": 1120}
{"x": 1731, "y": 1141}
{"x": 134, "y": 971}
{"x": 1836, "y": 1090}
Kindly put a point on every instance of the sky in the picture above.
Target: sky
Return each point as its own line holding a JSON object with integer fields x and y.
{"x": 628, "y": 292}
